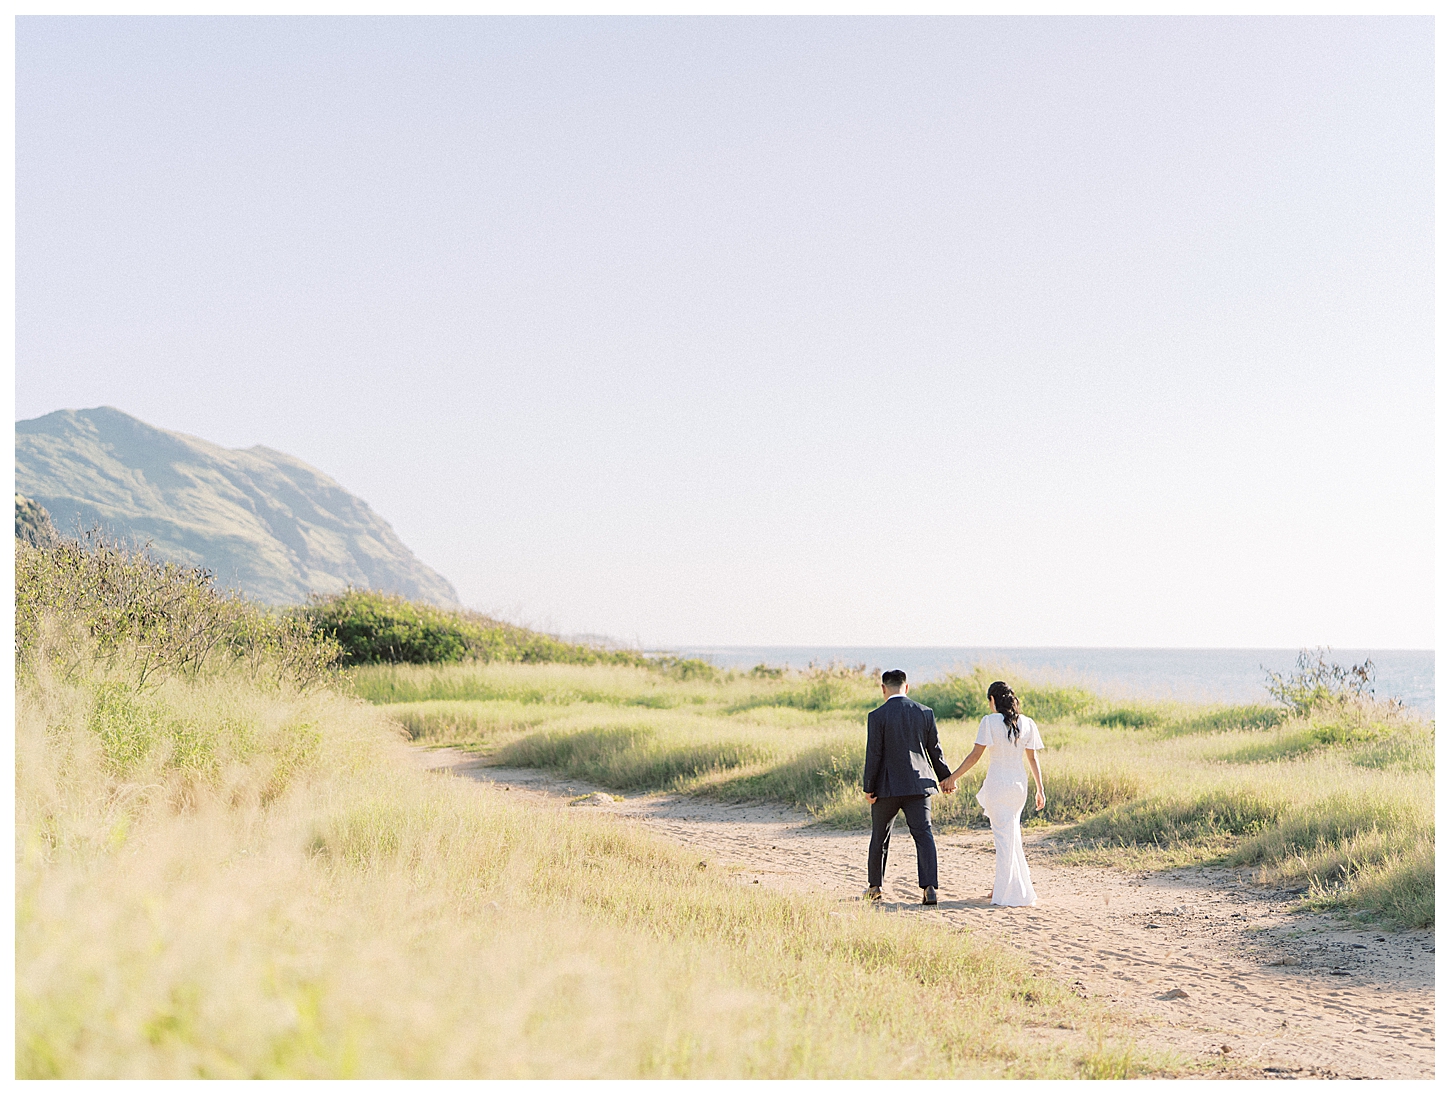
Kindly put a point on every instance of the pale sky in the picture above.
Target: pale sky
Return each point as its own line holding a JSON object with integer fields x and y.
{"x": 950, "y": 331}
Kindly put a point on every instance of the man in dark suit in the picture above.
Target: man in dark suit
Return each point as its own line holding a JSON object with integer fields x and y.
{"x": 903, "y": 764}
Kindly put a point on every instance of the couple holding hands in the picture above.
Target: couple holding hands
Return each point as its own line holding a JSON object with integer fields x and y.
{"x": 904, "y": 764}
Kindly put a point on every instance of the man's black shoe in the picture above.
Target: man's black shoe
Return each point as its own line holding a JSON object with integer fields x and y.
{"x": 871, "y": 893}
{"x": 928, "y": 896}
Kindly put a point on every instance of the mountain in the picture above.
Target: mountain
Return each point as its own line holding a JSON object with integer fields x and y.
{"x": 262, "y": 521}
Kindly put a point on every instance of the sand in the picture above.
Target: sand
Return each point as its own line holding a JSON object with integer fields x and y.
{"x": 1202, "y": 963}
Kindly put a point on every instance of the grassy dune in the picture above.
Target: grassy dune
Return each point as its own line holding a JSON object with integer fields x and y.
{"x": 220, "y": 879}
{"x": 1338, "y": 802}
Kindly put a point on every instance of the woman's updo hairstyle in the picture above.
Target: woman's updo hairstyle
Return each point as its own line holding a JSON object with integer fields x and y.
{"x": 1007, "y": 706}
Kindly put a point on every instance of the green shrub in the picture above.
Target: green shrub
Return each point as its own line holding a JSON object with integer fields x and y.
{"x": 127, "y": 728}
{"x": 379, "y": 628}
{"x": 143, "y": 736}
{"x": 1316, "y": 682}
{"x": 375, "y": 627}
{"x": 686, "y": 669}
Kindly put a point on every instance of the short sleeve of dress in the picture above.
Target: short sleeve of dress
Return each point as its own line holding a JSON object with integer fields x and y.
{"x": 984, "y": 736}
{"x": 1032, "y": 739}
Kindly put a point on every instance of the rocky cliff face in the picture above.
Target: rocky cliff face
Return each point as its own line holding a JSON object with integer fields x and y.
{"x": 264, "y": 522}
{"x": 32, "y": 523}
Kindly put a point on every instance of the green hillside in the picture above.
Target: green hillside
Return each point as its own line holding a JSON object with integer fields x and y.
{"x": 263, "y": 522}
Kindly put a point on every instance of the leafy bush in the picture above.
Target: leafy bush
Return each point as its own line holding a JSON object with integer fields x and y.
{"x": 82, "y": 600}
{"x": 373, "y": 628}
{"x": 687, "y": 669}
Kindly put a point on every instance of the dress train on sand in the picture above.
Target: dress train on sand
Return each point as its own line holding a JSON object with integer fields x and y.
{"x": 1003, "y": 794}
{"x": 1003, "y": 804}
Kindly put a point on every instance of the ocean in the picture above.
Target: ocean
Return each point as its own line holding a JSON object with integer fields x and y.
{"x": 1208, "y": 676}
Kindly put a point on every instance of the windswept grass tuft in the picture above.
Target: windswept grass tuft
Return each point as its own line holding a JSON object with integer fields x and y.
{"x": 462, "y": 723}
{"x": 1204, "y": 819}
{"x": 630, "y": 758}
{"x": 1367, "y": 852}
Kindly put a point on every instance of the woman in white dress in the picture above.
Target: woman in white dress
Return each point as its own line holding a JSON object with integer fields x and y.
{"x": 1011, "y": 741}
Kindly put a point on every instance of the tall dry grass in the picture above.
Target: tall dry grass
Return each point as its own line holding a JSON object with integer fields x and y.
{"x": 220, "y": 879}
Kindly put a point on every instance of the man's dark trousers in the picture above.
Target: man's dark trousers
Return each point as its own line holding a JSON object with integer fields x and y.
{"x": 917, "y": 809}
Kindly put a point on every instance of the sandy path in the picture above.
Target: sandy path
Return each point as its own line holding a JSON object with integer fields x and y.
{"x": 1207, "y": 966}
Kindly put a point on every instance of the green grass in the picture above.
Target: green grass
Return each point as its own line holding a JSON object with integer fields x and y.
{"x": 1131, "y": 783}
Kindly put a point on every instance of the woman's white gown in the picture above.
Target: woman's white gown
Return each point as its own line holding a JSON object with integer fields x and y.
{"x": 1003, "y": 794}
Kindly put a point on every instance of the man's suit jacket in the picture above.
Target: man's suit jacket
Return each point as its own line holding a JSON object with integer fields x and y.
{"x": 903, "y": 753}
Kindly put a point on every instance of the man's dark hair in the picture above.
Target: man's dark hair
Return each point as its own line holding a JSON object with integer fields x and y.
{"x": 893, "y": 678}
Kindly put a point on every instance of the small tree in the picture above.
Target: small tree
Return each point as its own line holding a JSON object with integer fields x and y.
{"x": 1317, "y": 682}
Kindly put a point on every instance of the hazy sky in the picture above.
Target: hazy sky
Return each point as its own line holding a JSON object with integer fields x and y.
{"x": 963, "y": 331}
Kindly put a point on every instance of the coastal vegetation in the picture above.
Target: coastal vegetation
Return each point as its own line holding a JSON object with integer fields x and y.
{"x": 227, "y": 865}
{"x": 379, "y": 628}
{"x": 1334, "y": 799}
